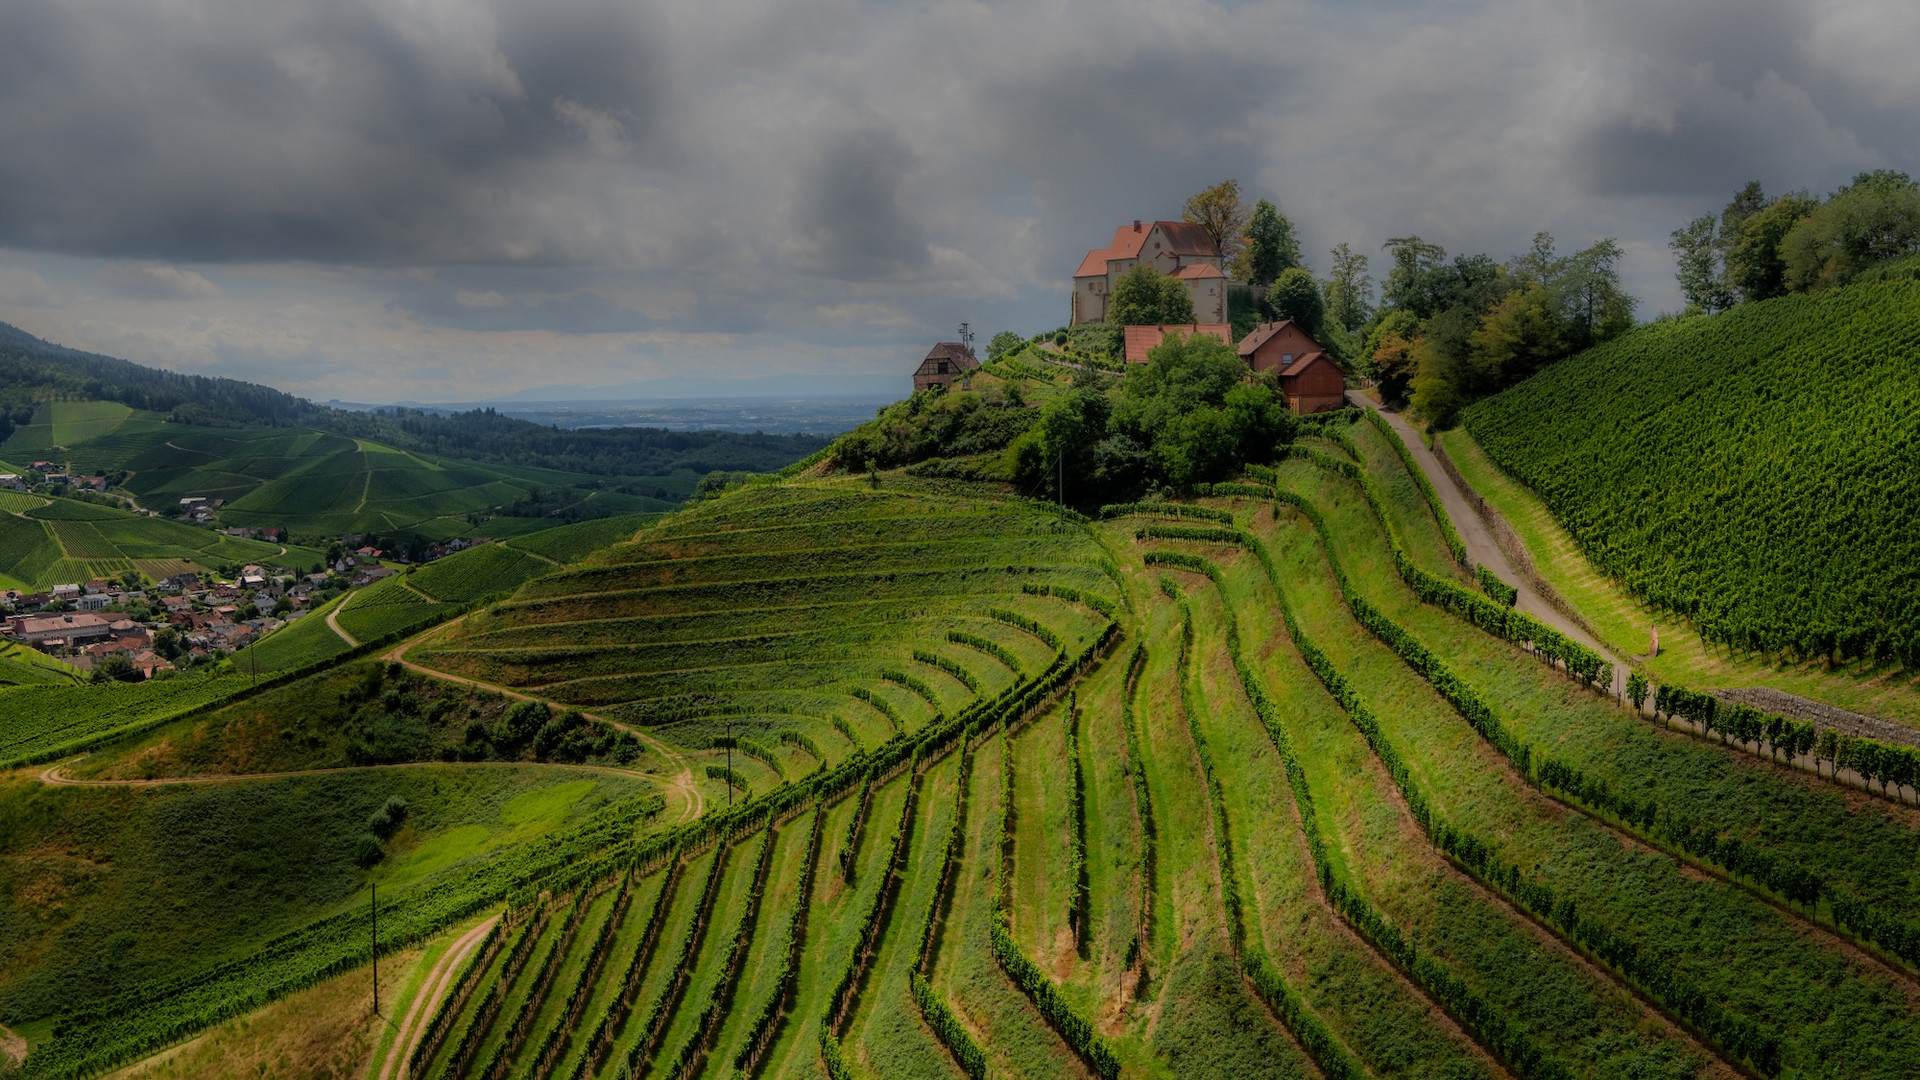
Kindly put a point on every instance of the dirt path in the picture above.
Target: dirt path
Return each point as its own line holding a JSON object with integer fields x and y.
{"x": 1484, "y": 549}
{"x": 682, "y": 782}
{"x": 1481, "y": 546}
{"x": 333, "y": 624}
{"x": 12, "y": 1045}
{"x": 433, "y": 989}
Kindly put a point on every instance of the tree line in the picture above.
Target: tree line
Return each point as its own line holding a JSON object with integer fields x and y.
{"x": 1760, "y": 247}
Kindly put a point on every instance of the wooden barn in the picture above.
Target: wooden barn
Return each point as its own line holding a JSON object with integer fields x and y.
{"x": 946, "y": 362}
{"x": 1304, "y": 372}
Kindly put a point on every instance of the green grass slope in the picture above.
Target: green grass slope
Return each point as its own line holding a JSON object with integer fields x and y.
{"x": 62, "y": 540}
{"x": 1757, "y": 472}
{"x": 305, "y": 480}
{"x": 1139, "y": 797}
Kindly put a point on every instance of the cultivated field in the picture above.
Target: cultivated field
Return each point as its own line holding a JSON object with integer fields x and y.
{"x": 1264, "y": 784}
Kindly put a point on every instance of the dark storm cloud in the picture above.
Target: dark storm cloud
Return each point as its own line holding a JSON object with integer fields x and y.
{"x": 402, "y": 185}
{"x": 330, "y": 131}
{"x": 848, "y": 221}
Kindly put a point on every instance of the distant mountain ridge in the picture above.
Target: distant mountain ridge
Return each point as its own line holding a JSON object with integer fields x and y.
{"x": 33, "y": 371}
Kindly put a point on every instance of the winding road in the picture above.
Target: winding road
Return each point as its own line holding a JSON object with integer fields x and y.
{"x": 1482, "y": 548}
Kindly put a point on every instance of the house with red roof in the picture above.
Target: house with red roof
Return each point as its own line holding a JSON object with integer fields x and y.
{"x": 1141, "y": 339}
{"x": 1175, "y": 248}
{"x": 1302, "y": 370}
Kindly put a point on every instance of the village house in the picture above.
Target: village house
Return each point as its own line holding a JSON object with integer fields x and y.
{"x": 1303, "y": 371}
{"x": 1140, "y": 340}
{"x": 945, "y": 362}
{"x": 43, "y": 630}
{"x": 1174, "y": 248}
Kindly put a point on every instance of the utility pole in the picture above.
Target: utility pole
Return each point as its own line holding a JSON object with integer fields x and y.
{"x": 373, "y": 906}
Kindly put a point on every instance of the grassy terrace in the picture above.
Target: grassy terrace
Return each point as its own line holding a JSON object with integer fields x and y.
{"x": 1623, "y": 624}
{"x": 1265, "y": 802}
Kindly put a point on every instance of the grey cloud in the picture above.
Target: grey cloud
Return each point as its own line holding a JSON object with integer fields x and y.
{"x": 155, "y": 281}
{"x": 823, "y": 180}
{"x": 848, "y": 221}
{"x": 577, "y": 312}
{"x": 335, "y": 131}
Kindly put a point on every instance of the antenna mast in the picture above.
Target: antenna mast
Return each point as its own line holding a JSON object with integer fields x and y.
{"x": 966, "y": 339}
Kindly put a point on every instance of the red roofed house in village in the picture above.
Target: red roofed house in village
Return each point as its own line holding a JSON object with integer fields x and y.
{"x": 944, "y": 363}
{"x": 1304, "y": 372}
{"x": 1142, "y": 339}
{"x": 1175, "y": 248}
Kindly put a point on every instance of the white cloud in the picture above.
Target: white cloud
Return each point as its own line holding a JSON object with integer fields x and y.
{"x": 21, "y": 287}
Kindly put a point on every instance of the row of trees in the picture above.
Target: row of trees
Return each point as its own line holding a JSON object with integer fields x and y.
{"x": 1758, "y": 247}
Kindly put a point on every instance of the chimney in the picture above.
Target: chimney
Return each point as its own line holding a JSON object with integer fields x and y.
{"x": 1136, "y": 224}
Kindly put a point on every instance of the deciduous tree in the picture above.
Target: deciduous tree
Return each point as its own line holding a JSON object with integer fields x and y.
{"x": 1145, "y": 297}
{"x": 1271, "y": 247}
{"x": 1217, "y": 210}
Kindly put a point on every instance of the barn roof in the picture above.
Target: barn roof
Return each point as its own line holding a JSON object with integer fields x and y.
{"x": 1142, "y": 339}
{"x": 951, "y": 350}
{"x": 1305, "y": 361}
{"x": 1264, "y": 332}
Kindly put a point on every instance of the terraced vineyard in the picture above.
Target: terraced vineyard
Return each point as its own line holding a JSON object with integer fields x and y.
{"x": 308, "y": 481}
{"x": 1285, "y": 818}
{"x": 1259, "y": 785}
{"x": 44, "y": 542}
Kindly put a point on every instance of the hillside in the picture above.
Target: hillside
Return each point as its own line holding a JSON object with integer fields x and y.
{"x": 1250, "y": 785}
{"x": 33, "y": 371}
{"x": 312, "y": 482}
{"x": 46, "y": 541}
{"x": 1757, "y": 472}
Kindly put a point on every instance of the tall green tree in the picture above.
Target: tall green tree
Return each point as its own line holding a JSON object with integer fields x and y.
{"x": 1754, "y": 263}
{"x": 1349, "y": 289}
{"x": 1874, "y": 219}
{"x": 1414, "y": 262}
{"x": 1271, "y": 246}
{"x": 1004, "y": 343}
{"x": 1697, "y": 254}
{"x": 1145, "y": 297}
{"x": 1295, "y": 295}
{"x": 1218, "y": 212}
{"x": 1522, "y": 334}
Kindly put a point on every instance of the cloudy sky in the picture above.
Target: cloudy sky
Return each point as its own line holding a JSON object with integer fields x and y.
{"x": 381, "y": 200}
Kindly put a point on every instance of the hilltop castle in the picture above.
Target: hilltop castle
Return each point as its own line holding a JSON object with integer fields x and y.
{"x": 1175, "y": 248}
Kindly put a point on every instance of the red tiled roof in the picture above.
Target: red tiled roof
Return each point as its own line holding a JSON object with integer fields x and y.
{"x": 1127, "y": 241}
{"x": 1197, "y": 270}
{"x": 1187, "y": 239}
{"x": 1301, "y": 363}
{"x": 1142, "y": 339}
{"x": 1259, "y": 337}
{"x": 1094, "y": 265}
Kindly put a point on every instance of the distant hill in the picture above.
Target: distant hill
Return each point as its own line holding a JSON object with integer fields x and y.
{"x": 33, "y": 371}
{"x": 47, "y": 541}
{"x": 1756, "y": 471}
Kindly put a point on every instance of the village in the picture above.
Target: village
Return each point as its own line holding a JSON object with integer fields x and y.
{"x": 128, "y": 630}
{"x": 1178, "y": 252}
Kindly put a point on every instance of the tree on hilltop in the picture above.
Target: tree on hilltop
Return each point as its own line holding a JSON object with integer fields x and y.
{"x": 1271, "y": 247}
{"x": 1295, "y": 295}
{"x": 1218, "y": 212}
